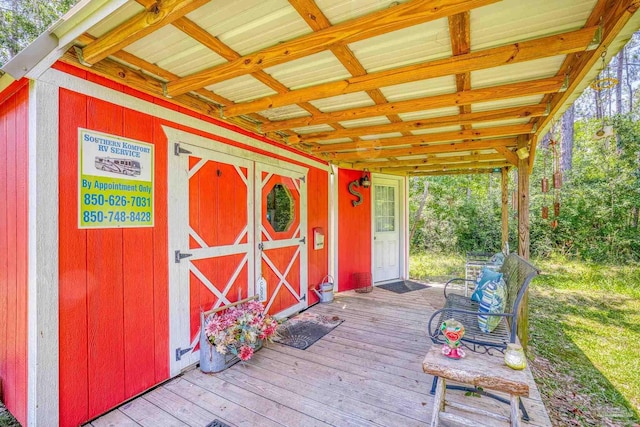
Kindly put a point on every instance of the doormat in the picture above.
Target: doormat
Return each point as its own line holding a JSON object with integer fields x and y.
{"x": 403, "y": 286}
{"x": 217, "y": 423}
{"x": 304, "y": 329}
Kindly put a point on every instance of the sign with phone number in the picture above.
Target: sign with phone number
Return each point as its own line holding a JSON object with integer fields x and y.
{"x": 115, "y": 181}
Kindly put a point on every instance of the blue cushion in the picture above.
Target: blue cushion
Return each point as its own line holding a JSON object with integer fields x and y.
{"x": 494, "y": 299}
{"x": 486, "y": 275}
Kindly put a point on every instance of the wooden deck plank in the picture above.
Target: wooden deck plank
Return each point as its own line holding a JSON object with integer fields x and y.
{"x": 181, "y": 408}
{"x": 222, "y": 407}
{"x": 114, "y": 418}
{"x": 146, "y": 413}
{"x": 367, "y": 371}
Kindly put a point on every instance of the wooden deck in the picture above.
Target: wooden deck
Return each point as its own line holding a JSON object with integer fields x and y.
{"x": 366, "y": 372}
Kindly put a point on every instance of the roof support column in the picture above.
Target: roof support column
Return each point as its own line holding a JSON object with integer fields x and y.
{"x": 523, "y": 235}
{"x": 505, "y": 209}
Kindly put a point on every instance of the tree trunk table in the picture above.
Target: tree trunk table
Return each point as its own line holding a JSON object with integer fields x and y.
{"x": 478, "y": 370}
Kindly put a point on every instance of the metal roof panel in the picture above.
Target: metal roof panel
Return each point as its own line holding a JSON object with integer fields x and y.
{"x": 311, "y": 70}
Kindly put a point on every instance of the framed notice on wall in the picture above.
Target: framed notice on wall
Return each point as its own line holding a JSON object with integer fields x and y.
{"x": 115, "y": 185}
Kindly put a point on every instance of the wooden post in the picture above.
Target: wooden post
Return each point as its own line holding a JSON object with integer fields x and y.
{"x": 523, "y": 236}
{"x": 505, "y": 208}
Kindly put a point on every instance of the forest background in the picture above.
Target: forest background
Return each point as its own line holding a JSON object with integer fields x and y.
{"x": 586, "y": 304}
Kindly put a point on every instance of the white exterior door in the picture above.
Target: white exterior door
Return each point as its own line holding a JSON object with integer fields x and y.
{"x": 386, "y": 233}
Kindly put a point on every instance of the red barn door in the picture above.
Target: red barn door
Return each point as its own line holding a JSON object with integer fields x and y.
{"x": 232, "y": 220}
{"x": 281, "y": 224}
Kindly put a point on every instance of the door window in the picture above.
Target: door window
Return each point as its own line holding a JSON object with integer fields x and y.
{"x": 385, "y": 208}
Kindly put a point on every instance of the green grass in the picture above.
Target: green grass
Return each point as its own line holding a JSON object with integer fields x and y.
{"x": 584, "y": 337}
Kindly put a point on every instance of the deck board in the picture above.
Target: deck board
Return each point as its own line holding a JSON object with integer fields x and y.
{"x": 366, "y": 372}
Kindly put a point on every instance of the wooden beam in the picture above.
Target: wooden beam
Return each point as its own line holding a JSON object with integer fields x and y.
{"x": 523, "y": 237}
{"x": 614, "y": 15}
{"x": 454, "y": 172}
{"x": 505, "y": 207}
{"x": 427, "y": 138}
{"x": 513, "y": 90}
{"x": 147, "y": 84}
{"x": 452, "y": 166}
{"x": 558, "y": 44}
{"x": 427, "y": 160}
{"x": 369, "y": 154}
{"x": 161, "y": 14}
{"x": 460, "y": 35}
{"x": 371, "y": 25}
{"x": 509, "y": 155}
{"x": 430, "y": 123}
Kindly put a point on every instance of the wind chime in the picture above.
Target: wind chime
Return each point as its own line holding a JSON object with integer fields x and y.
{"x": 557, "y": 180}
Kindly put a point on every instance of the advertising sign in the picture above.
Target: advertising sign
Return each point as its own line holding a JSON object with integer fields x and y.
{"x": 115, "y": 181}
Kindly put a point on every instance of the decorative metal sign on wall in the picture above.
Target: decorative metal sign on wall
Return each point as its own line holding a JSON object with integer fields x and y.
{"x": 115, "y": 181}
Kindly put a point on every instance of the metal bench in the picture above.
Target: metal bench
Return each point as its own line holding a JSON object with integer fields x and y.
{"x": 517, "y": 273}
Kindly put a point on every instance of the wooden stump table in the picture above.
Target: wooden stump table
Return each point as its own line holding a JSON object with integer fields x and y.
{"x": 477, "y": 370}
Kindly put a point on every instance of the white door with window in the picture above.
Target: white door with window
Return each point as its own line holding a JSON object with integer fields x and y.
{"x": 386, "y": 233}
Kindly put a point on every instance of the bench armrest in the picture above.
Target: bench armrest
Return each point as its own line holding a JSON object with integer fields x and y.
{"x": 457, "y": 279}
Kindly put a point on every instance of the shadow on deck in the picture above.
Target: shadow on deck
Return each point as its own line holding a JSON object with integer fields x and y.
{"x": 366, "y": 372}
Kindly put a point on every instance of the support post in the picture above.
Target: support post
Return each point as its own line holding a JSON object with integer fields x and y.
{"x": 505, "y": 209}
{"x": 523, "y": 235}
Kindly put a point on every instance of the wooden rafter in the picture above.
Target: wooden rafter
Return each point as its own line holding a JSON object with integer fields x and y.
{"x": 384, "y": 21}
{"x": 314, "y": 17}
{"x": 160, "y": 14}
{"x": 430, "y": 123}
{"x": 427, "y": 138}
{"x": 513, "y": 90}
{"x": 460, "y": 34}
{"x": 558, "y": 44}
{"x": 427, "y": 160}
{"x": 453, "y": 172}
{"x": 614, "y": 15}
{"x": 451, "y": 166}
{"x": 508, "y": 154}
{"x": 368, "y": 154}
{"x": 145, "y": 83}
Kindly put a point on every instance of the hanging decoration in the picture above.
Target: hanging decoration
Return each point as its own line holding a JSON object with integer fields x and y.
{"x": 600, "y": 84}
{"x": 557, "y": 180}
{"x": 545, "y": 185}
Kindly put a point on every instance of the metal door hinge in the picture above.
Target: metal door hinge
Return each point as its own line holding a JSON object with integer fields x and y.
{"x": 181, "y": 352}
{"x": 179, "y": 256}
{"x": 303, "y": 179}
{"x": 261, "y": 246}
{"x": 177, "y": 150}
{"x": 303, "y": 298}
{"x": 303, "y": 240}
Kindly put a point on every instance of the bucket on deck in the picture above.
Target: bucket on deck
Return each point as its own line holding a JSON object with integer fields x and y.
{"x": 325, "y": 289}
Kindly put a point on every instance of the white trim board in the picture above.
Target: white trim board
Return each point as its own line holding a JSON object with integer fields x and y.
{"x": 76, "y": 84}
{"x": 43, "y": 222}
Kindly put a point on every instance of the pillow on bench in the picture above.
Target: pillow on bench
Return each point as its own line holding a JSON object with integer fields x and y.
{"x": 486, "y": 275}
{"x": 494, "y": 299}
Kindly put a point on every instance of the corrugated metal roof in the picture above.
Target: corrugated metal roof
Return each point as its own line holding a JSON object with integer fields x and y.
{"x": 124, "y": 13}
{"x": 338, "y": 11}
{"x": 510, "y": 21}
{"x": 284, "y": 113}
{"x": 250, "y": 25}
{"x": 341, "y": 102}
{"x": 420, "y": 89}
{"x": 174, "y": 51}
{"x": 311, "y": 70}
{"x": 241, "y": 88}
{"x": 420, "y": 43}
{"x": 506, "y": 103}
{"x": 521, "y": 71}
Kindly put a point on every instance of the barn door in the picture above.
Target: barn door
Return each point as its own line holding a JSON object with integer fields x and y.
{"x": 216, "y": 255}
{"x": 281, "y": 238}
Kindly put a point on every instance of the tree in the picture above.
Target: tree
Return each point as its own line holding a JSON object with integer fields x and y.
{"x": 24, "y": 20}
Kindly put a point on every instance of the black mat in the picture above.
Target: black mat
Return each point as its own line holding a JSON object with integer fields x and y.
{"x": 403, "y": 286}
{"x": 305, "y": 329}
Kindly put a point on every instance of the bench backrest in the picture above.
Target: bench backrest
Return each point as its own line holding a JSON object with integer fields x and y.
{"x": 517, "y": 273}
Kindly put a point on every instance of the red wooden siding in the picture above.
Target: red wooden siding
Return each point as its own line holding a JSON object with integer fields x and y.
{"x": 354, "y": 230}
{"x": 317, "y": 216}
{"x": 113, "y": 282}
{"x": 114, "y": 321}
{"x": 14, "y": 118}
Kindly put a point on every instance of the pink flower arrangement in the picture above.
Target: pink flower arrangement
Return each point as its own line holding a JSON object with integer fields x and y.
{"x": 240, "y": 329}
